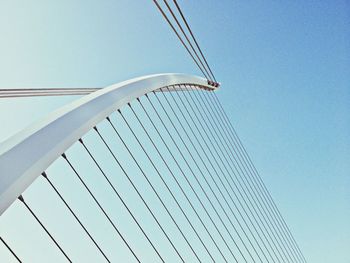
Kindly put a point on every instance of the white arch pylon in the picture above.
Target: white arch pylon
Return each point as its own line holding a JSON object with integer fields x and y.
{"x": 24, "y": 156}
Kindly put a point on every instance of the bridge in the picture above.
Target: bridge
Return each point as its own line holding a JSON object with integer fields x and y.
{"x": 146, "y": 170}
{"x": 177, "y": 133}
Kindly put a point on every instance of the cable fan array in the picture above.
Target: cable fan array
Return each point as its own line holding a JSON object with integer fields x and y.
{"x": 171, "y": 182}
{"x": 195, "y": 53}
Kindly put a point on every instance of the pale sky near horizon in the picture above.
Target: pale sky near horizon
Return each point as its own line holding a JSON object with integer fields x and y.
{"x": 284, "y": 69}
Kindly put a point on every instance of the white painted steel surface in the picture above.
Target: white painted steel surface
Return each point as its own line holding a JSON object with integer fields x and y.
{"x": 24, "y": 156}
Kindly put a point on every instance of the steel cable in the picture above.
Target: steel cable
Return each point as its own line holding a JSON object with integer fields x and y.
{"x": 180, "y": 187}
{"x": 100, "y": 206}
{"x": 10, "y": 249}
{"x": 220, "y": 128}
{"x": 211, "y": 164}
{"x": 202, "y": 161}
{"x": 193, "y": 37}
{"x": 154, "y": 190}
{"x": 226, "y": 164}
{"x": 137, "y": 191}
{"x": 74, "y": 215}
{"x": 257, "y": 178}
{"x": 210, "y": 174}
{"x": 43, "y": 227}
{"x": 179, "y": 37}
{"x": 166, "y": 145}
{"x": 221, "y": 144}
{"x": 185, "y": 35}
{"x": 199, "y": 170}
{"x": 199, "y": 131}
{"x": 120, "y": 198}
{"x": 165, "y": 184}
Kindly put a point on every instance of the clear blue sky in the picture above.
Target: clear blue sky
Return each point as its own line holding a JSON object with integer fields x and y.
{"x": 284, "y": 69}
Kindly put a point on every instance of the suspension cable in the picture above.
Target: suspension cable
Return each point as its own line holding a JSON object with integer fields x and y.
{"x": 189, "y": 166}
{"x": 180, "y": 187}
{"x": 120, "y": 198}
{"x": 261, "y": 184}
{"x": 75, "y": 216}
{"x": 230, "y": 129}
{"x": 9, "y": 248}
{"x": 185, "y": 35}
{"x": 150, "y": 184}
{"x": 226, "y": 140}
{"x": 43, "y": 227}
{"x": 193, "y": 37}
{"x": 212, "y": 166}
{"x": 203, "y": 162}
{"x": 257, "y": 178}
{"x": 35, "y": 92}
{"x": 240, "y": 173}
{"x": 135, "y": 188}
{"x": 199, "y": 131}
{"x": 179, "y": 37}
{"x": 99, "y": 205}
{"x": 182, "y": 174}
{"x": 232, "y": 211}
{"x": 165, "y": 184}
{"x": 214, "y": 146}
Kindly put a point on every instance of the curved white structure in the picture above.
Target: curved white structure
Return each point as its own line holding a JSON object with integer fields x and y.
{"x": 27, "y": 154}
